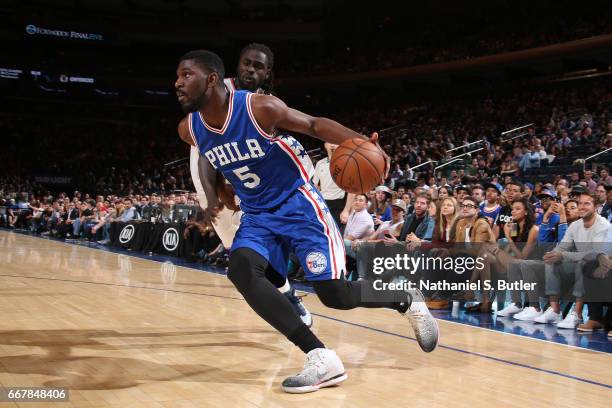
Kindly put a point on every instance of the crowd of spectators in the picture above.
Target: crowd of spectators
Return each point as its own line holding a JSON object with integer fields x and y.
{"x": 127, "y": 157}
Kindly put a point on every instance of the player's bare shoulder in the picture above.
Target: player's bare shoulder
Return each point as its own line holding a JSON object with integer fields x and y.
{"x": 268, "y": 110}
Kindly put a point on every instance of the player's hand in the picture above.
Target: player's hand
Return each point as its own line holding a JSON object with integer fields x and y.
{"x": 210, "y": 215}
{"x": 374, "y": 139}
{"x": 226, "y": 193}
{"x": 344, "y": 216}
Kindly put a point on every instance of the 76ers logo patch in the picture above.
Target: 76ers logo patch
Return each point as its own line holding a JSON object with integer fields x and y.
{"x": 316, "y": 262}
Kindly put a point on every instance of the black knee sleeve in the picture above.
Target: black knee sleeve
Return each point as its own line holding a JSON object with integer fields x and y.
{"x": 344, "y": 295}
{"x": 338, "y": 293}
{"x": 245, "y": 265}
{"x": 247, "y": 271}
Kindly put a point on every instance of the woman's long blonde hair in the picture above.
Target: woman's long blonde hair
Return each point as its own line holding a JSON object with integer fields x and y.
{"x": 441, "y": 223}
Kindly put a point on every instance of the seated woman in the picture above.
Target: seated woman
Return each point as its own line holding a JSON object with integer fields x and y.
{"x": 445, "y": 215}
{"x": 520, "y": 240}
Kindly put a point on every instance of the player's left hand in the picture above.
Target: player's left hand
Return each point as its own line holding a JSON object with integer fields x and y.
{"x": 374, "y": 139}
{"x": 210, "y": 215}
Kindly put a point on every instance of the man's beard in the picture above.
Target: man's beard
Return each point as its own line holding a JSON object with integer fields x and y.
{"x": 195, "y": 105}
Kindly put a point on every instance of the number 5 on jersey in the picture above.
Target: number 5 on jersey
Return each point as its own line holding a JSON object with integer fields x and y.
{"x": 250, "y": 180}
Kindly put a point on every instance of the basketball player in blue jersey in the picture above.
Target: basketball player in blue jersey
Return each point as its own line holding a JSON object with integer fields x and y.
{"x": 254, "y": 74}
{"x": 282, "y": 211}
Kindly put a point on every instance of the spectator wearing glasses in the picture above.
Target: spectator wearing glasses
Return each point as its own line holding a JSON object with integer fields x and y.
{"x": 472, "y": 227}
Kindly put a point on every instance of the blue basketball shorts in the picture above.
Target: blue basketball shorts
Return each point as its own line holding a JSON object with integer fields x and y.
{"x": 303, "y": 224}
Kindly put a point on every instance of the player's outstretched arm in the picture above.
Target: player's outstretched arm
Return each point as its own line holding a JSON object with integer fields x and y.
{"x": 272, "y": 113}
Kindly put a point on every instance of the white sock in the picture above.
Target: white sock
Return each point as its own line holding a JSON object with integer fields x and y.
{"x": 285, "y": 288}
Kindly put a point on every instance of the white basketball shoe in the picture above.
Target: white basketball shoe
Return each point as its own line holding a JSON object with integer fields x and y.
{"x": 323, "y": 368}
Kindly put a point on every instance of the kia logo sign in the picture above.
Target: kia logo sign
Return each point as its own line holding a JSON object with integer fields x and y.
{"x": 170, "y": 239}
{"x": 31, "y": 29}
{"x": 126, "y": 234}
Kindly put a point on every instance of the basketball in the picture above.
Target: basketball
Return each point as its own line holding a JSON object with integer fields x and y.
{"x": 357, "y": 166}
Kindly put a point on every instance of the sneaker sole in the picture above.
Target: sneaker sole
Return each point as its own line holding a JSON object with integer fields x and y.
{"x": 567, "y": 327}
{"x": 432, "y": 320}
{"x": 312, "y": 388}
{"x": 587, "y": 330}
{"x": 418, "y": 338}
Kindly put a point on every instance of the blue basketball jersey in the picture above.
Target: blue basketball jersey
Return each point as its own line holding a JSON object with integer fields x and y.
{"x": 263, "y": 169}
{"x": 489, "y": 214}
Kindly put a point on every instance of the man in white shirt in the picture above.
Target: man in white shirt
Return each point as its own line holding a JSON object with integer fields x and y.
{"x": 338, "y": 202}
{"x": 360, "y": 223}
{"x": 587, "y": 239}
{"x": 387, "y": 232}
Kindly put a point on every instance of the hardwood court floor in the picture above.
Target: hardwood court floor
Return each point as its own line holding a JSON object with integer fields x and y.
{"x": 121, "y": 331}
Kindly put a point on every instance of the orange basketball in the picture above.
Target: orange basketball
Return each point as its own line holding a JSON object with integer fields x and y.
{"x": 357, "y": 166}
